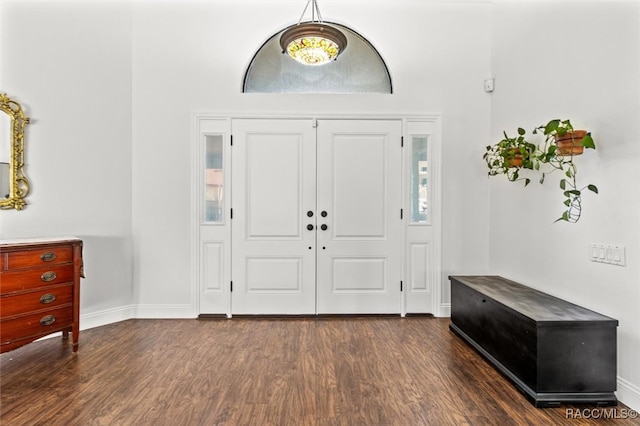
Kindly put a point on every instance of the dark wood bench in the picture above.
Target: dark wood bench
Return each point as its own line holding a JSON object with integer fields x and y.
{"x": 554, "y": 351}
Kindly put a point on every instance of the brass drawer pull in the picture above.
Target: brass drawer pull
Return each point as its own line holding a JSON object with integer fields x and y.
{"x": 47, "y": 320}
{"x": 47, "y": 256}
{"x": 47, "y": 298}
{"x": 48, "y": 276}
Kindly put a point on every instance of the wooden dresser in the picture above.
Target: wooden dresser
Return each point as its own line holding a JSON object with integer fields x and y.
{"x": 39, "y": 290}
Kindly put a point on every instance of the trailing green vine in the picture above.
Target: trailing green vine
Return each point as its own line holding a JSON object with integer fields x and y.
{"x": 546, "y": 158}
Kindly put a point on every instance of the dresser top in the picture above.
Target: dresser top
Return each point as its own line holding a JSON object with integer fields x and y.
{"x": 534, "y": 304}
{"x": 31, "y": 241}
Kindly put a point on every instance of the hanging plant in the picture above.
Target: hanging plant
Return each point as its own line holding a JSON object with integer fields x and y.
{"x": 562, "y": 142}
{"x": 510, "y": 155}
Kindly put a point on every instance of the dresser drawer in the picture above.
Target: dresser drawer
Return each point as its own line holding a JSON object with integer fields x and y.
{"x": 39, "y": 290}
{"x": 46, "y": 298}
{"x": 31, "y": 279}
{"x": 34, "y": 258}
{"x": 31, "y": 325}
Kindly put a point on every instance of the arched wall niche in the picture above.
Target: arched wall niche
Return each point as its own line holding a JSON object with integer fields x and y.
{"x": 359, "y": 69}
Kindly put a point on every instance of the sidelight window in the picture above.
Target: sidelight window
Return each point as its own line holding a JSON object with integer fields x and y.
{"x": 214, "y": 179}
{"x": 419, "y": 179}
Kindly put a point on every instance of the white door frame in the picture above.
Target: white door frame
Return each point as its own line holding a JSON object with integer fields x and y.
{"x": 414, "y": 248}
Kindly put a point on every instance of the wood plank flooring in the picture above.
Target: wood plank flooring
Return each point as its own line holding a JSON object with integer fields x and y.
{"x": 266, "y": 371}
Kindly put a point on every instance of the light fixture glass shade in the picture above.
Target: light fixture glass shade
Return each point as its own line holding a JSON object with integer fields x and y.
{"x": 312, "y": 43}
{"x": 313, "y": 50}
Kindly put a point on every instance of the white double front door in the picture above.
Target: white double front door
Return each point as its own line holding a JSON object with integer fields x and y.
{"x": 316, "y": 222}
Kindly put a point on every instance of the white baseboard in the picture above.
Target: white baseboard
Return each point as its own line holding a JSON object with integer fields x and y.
{"x": 445, "y": 310}
{"x": 164, "y": 311}
{"x": 628, "y": 394}
{"x": 107, "y": 316}
{"x": 122, "y": 313}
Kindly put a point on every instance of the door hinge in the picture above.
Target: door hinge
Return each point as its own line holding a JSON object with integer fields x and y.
{"x": 231, "y": 139}
{"x": 231, "y": 286}
{"x": 231, "y": 213}
{"x": 401, "y": 286}
{"x": 401, "y": 141}
{"x": 401, "y": 214}
{"x": 314, "y": 123}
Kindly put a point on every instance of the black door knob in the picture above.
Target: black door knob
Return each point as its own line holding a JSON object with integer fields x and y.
{"x": 310, "y": 213}
{"x": 323, "y": 214}
{"x": 310, "y": 227}
{"x": 324, "y": 227}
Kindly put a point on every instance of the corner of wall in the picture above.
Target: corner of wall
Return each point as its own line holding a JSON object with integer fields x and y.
{"x": 445, "y": 310}
{"x": 105, "y": 317}
{"x": 628, "y": 394}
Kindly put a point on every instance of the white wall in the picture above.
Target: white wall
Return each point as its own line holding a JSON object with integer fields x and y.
{"x": 579, "y": 60}
{"x": 111, "y": 87}
{"x": 189, "y": 57}
{"x": 69, "y": 65}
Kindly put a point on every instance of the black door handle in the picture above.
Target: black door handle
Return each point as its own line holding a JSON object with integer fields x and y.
{"x": 323, "y": 227}
{"x": 323, "y": 214}
{"x": 310, "y": 227}
{"x": 310, "y": 213}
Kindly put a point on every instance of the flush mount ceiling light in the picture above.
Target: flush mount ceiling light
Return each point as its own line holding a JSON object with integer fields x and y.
{"x": 313, "y": 43}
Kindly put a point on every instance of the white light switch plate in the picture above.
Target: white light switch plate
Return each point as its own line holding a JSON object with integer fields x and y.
{"x": 611, "y": 254}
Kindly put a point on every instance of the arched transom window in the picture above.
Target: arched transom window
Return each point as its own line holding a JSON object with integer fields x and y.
{"x": 358, "y": 69}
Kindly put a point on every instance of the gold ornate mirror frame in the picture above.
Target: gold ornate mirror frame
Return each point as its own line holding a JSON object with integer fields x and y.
{"x": 18, "y": 182}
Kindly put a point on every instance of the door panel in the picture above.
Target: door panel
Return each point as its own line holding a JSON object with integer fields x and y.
{"x": 370, "y": 272}
{"x": 359, "y": 252}
{"x": 274, "y": 275}
{"x": 273, "y": 176}
{"x": 213, "y": 163}
{"x": 422, "y": 231}
{"x": 273, "y": 252}
{"x": 359, "y": 185}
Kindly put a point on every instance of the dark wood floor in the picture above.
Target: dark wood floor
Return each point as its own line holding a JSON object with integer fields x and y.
{"x": 246, "y": 371}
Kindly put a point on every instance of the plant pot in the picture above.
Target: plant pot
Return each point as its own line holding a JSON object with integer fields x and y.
{"x": 571, "y": 143}
{"x": 514, "y": 158}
